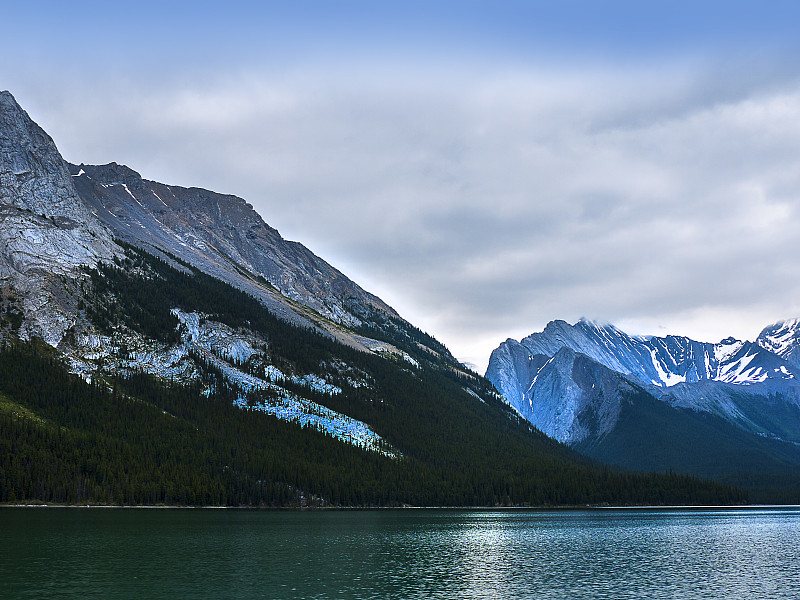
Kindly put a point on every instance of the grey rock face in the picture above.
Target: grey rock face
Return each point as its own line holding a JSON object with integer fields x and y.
{"x": 223, "y": 236}
{"x": 47, "y": 233}
{"x": 512, "y": 368}
{"x": 666, "y": 361}
{"x": 727, "y": 379}
{"x": 59, "y": 219}
{"x": 783, "y": 339}
{"x": 573, "y": 398}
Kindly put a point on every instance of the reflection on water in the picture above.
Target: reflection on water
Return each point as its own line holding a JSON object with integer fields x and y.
{"x": 592, "y": 554}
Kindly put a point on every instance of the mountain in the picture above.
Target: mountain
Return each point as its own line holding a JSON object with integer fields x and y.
{"x": 48, "y": 235}
{"x": 597, "y": 389}
{"x": 666, "y": 361}
{"x": 164, "y": 345}
{"x": 60, "y": 218}
{"x": 782, "y": 339}
{"x": 224, "y": 237}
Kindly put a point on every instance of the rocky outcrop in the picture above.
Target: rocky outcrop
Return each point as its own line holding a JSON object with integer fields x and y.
{"x": 568, "y": 396}
{"x": 48, "y": 235}
{"x": 59, "y": 220}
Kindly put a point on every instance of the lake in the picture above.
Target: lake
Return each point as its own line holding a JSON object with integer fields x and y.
{"x": 396, "y": 554}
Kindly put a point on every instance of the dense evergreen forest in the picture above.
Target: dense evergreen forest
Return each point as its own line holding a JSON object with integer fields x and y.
{"x": 136, "y": 439}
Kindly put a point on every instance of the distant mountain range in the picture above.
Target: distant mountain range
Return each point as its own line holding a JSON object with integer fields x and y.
{"x": 660, "y": 403}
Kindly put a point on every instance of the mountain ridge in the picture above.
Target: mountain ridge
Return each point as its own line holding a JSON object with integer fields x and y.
{"x": 61, "y": 218}
{"x": 661, "y": 365}
{"x": 586, "y": 385}
{"x": 94, "y": 300}
{"x": 223, "y": 235}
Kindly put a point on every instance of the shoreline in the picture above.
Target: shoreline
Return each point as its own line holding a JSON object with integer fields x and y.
{"x": 406, "y": 508}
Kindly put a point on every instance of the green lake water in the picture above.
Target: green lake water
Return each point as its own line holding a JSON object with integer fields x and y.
{"x": 48, "y": 553}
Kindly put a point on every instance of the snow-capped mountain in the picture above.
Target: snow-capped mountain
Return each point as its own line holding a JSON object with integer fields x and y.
{"x": 725, "y": 379}
{"x": 783, "y": 339}
{"x": 663, "y": 361}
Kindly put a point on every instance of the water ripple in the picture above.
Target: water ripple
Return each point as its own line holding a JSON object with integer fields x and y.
{"x": 570, "y": 555}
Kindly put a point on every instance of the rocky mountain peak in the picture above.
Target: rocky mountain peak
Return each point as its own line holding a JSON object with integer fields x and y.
{"x": 33, "y": 176}
{"x": 109, "y": 174}
{"x": 58, "y": 219}
{"x": 783, "y": 339}
{"x": 573, "y": 381}
{"x": 46, "y": 231}
{"x": 224, "y": 236}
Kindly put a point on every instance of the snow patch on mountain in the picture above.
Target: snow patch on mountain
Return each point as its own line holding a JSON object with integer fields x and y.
{"x": 126, "y": 352}
{"x": 737, "y": 371}
{"x": 309, "y": 414}
{"x": 723, "y": 379}
{"x": 783, "y": 339}
{"x": 727, "y": 348}
{"x": 214, "y": 340}
{"x": 665, "y": 378}
{"x": 228, "y": 352}
{"x": 663, "y": 362}
{"x": 218, "y": 338}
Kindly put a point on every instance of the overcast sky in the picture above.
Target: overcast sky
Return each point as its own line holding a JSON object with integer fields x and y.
{"x": 484, "y": 167}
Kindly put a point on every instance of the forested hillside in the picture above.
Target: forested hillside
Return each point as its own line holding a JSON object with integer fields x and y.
{"x": 134, "y": 438}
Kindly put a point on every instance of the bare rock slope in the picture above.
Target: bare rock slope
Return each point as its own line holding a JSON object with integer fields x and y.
{"x": 218, "y": 232}
{"x": 47, "y": 233}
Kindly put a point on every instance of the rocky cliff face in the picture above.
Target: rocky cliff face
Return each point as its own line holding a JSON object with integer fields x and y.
{"x": 48, "y": 235}
{"x": 58, "y": 220}
{"x": 751, "y": 386}
{"x": 572, "y": 398}
{"x": 666, "y": 361}
{"x": 223, "y": 236}
{"x": 62, "y": 229}
{"x": 782, "y": 339}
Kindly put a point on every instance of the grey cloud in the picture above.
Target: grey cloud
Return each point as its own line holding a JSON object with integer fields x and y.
{"x": 485, "y": 205}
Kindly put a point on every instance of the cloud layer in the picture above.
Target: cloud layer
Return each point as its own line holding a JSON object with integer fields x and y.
{"x": 484, "y": 198}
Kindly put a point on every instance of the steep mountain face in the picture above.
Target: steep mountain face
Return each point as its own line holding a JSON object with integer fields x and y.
{"x": 61, "y": 219}
{"x": 223, "y": 236}
{"x": 782, "y": 339}
{"x": 48, "y": 235}
{"x": 585, "y": 384}
{"x": 670, "y": 367}
{"x": 575, "y": 397}
{"x": 69, "y": 232}
{"x": 666, "y": 361}
{"x": 512, "y": 368}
